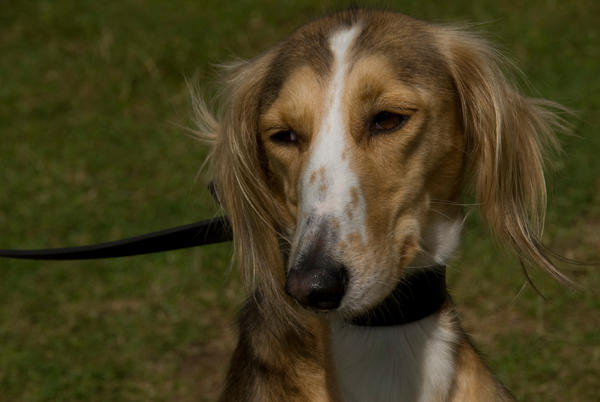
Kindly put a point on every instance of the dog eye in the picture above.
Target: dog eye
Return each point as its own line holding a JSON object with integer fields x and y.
{"x": 385, "y": 122}
{"x": 284, "y": 137}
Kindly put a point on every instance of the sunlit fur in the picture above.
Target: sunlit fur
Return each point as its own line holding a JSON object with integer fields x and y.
{"x": 468, "y": 126}
{"x": 508, "y": 136}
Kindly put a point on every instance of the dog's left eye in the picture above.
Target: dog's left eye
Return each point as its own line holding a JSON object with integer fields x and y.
{"x": 385, "y": 122}
{"x": 284, "y": 137}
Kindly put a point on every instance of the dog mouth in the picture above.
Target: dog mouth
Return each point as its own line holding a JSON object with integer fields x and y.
{"x": 327, "y": 278}
{"x": 415, "y": 296}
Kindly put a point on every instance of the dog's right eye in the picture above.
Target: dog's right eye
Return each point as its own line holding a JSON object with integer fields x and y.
{"x": 386, "y": 122}
{"x": 284, "y": 137}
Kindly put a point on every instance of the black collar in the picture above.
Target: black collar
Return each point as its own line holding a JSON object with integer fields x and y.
{"x": 417, "y": 296}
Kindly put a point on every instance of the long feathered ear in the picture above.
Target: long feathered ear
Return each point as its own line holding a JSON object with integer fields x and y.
{"x": 241, "y": 182}
{"x": 508, "y": 136}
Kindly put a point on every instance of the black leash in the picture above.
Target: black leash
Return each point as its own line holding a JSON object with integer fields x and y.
{"x": 210, "y": 231}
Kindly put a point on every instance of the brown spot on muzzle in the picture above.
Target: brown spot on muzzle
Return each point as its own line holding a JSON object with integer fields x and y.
{"x": 354, "y": 197}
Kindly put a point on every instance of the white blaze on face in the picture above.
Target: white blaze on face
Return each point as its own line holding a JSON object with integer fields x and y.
{"x": 329, "y": 187}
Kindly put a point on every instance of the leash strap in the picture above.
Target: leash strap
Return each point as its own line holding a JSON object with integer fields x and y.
{"x": 209, "y": 231}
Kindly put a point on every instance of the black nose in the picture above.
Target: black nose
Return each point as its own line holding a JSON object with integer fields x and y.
{"x": 318, "y": 282}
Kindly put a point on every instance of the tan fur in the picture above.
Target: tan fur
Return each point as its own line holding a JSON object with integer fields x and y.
{"x": 508, "y": 135}
{"x": 276, "y": 362}
{"x": 298, "y": 105}
{"x": 474, "y": 381}
{"x": 467, "y": 124}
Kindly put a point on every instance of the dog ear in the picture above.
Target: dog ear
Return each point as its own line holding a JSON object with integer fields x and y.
{"x": 507, "y": 136}
{"x": 241, "y": 182}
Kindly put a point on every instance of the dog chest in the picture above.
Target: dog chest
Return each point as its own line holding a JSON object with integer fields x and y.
{"x": 411, "y": 362}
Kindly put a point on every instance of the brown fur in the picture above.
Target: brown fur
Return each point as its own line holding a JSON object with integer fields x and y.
{"x": 508, "y": 136}
{"x": 474, "y": 381}
{"x": 465, "y": 118}
{"x": 263, "y": 355}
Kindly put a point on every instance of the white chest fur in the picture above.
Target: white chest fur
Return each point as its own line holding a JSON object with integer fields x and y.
{"x": 411, "y": 362}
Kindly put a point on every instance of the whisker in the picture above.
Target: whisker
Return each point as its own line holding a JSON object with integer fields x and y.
{"x": 445, "y": 202}
{"x": 441, "y": 214}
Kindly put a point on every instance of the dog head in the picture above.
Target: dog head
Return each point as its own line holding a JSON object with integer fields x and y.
{"x": 342, "y": 153}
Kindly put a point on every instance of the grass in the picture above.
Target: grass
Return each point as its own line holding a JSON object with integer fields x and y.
{"x": 91, "y": 102}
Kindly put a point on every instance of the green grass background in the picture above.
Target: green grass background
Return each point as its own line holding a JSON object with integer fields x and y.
{"x": 92, "y": 101}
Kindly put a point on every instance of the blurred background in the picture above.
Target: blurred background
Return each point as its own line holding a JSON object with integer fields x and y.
{"x": 93, "y": 147}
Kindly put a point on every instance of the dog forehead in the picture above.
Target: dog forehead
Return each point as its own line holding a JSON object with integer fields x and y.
{"x": 408, "y": 44}
{"x": 306, "y": 49}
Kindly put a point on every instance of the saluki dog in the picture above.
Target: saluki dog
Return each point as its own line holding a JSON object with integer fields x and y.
{"x": 340, "y": 157}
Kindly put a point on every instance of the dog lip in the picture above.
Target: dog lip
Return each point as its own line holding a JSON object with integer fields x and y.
{"x": 325, "y": 305}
